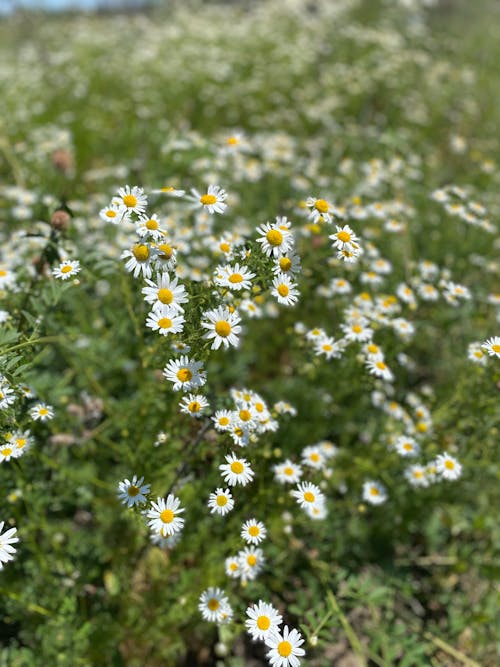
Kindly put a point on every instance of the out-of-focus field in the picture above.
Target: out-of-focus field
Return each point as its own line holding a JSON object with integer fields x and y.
{"x": 375, "y": 105}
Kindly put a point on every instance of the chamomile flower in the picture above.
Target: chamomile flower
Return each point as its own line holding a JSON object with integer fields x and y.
{"x": 22, "y": 441}
{"x": 308, "y": 495}
{"x": 212, "y": 604}
{"x": 233, "y": 277}
{"x": 374, "y": 493}
{"x": 167, "y": 541}
{"x": 165, "y": 255}
{"x": 344, "y": 237}
{"x": 66, "y": 269}
{"x": 223, "y": 420}
{"x": 407, "y": 446}
{"x": 7, "y": 452}
{"x": 166, "y": 291}
{"x": 164, "y": 516}
{"x": 287, "y": 472}
{"x": 193, "y": 405}
{"x": 328, "y": 347}
{"x": 169, "y": 190}
{"x": 220, "y": 501}
{"x": 357, "y": 330}
{"x": 186, "y": 374}
{"x": 114, "y": 213}
{"x": 132, "y": 199}
{"x": 276, "y": 239}
{"x": 251, "y": 562}
{"x": 138, "y": 260}
{"x": 232, "y": 567}
{"x": 288, "y": 264}
{"x": 285, "y": 648}
{"x": 313, "y": 457}
{"x": 492, "y": 346}
{"x": 285, "y": 290}
{"x": 320, "y": 210}
{"x": 236, "y": 471}
{"x": 7, "y": 395}
{"x": 149, "y": 226}
{"x": 41, "y": 412}
{"x": 165, "y": 320}
{"x": 448, "y": 467}
{"x": 133, "y": 492}
{"x": 7, "y": 539}
{"x": 380, "y": 369}
{"x": 212, "y": 201}
{"x": 222, "y": 327}
{"x": 253, "y": 531}
{"x": 262, "y": 620}
{"x": 416, "y": 476}
{"x": 476, "y": 354}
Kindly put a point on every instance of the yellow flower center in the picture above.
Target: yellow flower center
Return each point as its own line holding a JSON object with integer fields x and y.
{"x": 133, "y": 491}
{"x": 222, "y": 328}
{"x": 263, "y": 623}
{"x": 207, "y": 200}
{"x": 418, "y": 474}
{"x": 245, "y": 415}
{"x": 288, "y": 471}
{"x": 233, "y": 141}
{"x": 225, "y": 247}
{"x": 356, "y": 328}
{"x": 449, "y": 464}
{"x": 274, "y": 237}
{"x": 223, "y": 421}
{"x": 111, "y": 214}
{"x": 408, "y": 447}
{"x": 422, "y": 427}
{"x": 194, "y": 406}
{"x": 344, "y": 236}
{"x": 372, "y": 349}
{"x": 165, "y": 295}
{"x": 309, "y": 497}
{"x": 66, "y": 268}
{"x": 251, "y": 560}
{"x": 374, "y": 491}
{"x": 314, "y": 457}
{"x": 43, "y": 412}
{"x": 167, "y": 188}
{"x": 237, "y": 467}
{"x": 130, "y": 201}
{"x": 235, "y": 278}
{"x": 166, "y": 251}
{"x": 141, "y": 252}
{"x": 6, "y": 451}
{"x": 253, "y": 531}
{"x": 152, "y": 224}
{"x": 285, "y": 264}
{"x": 283, "y": 290}
{"x": 496, "y": 349}
{"x": 284, "y": 649}
{"x": 221, "y": 501}
{"x": 20, "y": 442}
{"x": 259, "y": 407}
{"x": 167, "y": 516}
{"x": 184, "y": 374}
{"x": 213, "y": 604}
{"x": 321, "y": 205}
{"x": 164, "y": 323}
{"x": 381, "y": 366}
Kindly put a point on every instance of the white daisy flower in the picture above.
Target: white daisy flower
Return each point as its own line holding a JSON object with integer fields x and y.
{"x": 164, "y": 516}
{"x": 308, "y": 495}
{"x": 114, "y": 213}
{"x": 133, "y": 492}
{"x": 186, "y": 374}
{"x": 251, "y": 563}
{"x": 193, "y": 405}
{"x": 212, "y": 201}
{"x": 287, "y": 472}
{"x": 165, "y": 292}
{"x": 288, "y": 264}
{"x": 416, "y": 476}
{"x": 476, "y": 354}
{"x": 7, "y": 395}
{"x": 232, "y": 567}
{"x": 41, "y": 412}
{"x": 262, "y": 620}
{"x": 321, "y": 210}
{"x": 149, "y": 227}
{"x": 7, "y": 539}
{"x": 285, "y": 648}
{"x": 234, "y": 277}
{"x": 284, "y": 290}
{"x": 169, "y": 190}
{"x": 492, "y": 346}
{"x": 67, "y": 269}
{"x": 374, "y": 493}
{"x": 380, "y": 369}
{"x": 223, "y": 327}
{"x": 220, "y": 501}
{"x": 7, "y": 452}
{"x": 223, "y": 420}
{"x": 213, "y": 603}
{"x": 253, "y": 531}
{"x": 276, "y": 239}
{"x": 132, "y": 199}
{"x": 448, "y": 467}
{"x": 236, "y": 470}
{"x": 165, "y": 320}
{"x": 406, "y": 446}
{"x": 313, "y": 457}
{"x": 138, "y": 260}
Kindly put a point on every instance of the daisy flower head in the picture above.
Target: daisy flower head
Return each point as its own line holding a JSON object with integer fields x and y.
{"x": 165, "y": 320}
{"x": 114, "y": 213}
{"x": 344, "y": 237}
{"x": 416, "y": 476}
{"x": 7, "y": 395}
{"x": 448, "y": 467}
{"x": 407, "y": 446}
{"x": 492, "y": 346}
{"x": 139, "y": 259}
{"x": 253, "y": 531}
{"x": 41, "y": 412}
{"x": 236, "y": 470}
{"x": 284, "y": 290}
{"x": 167, "y": 541}
{"x": 164, "y": 516}
{"x": 149, "y": 227}
{"x": 313, "y": 457}
{"x": 223, "y": 420}
{"x": 133, "y": 200}
{"x": 308, "y": 495}
{"x": 476, "y": 354}
{"x": 7, "y": 539}
{"x": 288, "y": 264}
{"x": 380, "y": 369}
{"x": 164, "y": 256}
{"x": 193, "y": 405}
{"x": 66, "y": 269}
{"x": 7, "y": 452}
{"x": 222, "y": 327}
{"x": 212, "y": 604}
{"x": 232, "y": 567}
{"x": 276, "y": 239}
{"x": 220, "y": 501}
{"x": 186, "y": 374}
{"x": 212, "y": 201}
{"x": 233, "y": 277}
{"x": 165, "y": 292}
{"x": 133, "y": 492}
{"x": 285, "y": 648}
{"x": 374, "y": 493}
{"x": 262, "y": 620}
{"x": 320, "y": 210}
{"x": 251, "y": 562}
{"x": 170, "y": 191}
{"x": 21, "y": 441}
{"x": 329, "y": 347}
{"x": 357, "y": 330}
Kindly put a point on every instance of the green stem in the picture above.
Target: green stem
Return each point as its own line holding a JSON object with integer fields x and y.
{"x": 354, "y": 641}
